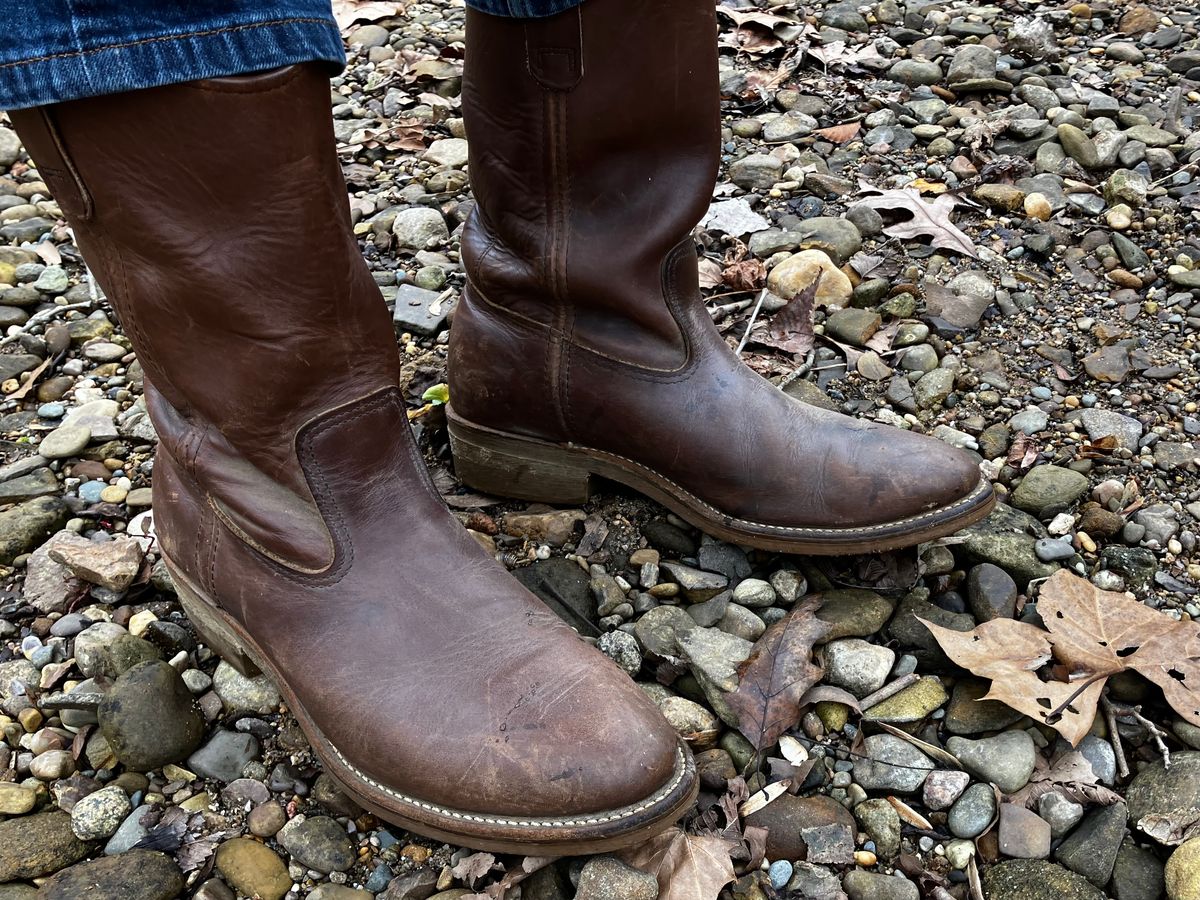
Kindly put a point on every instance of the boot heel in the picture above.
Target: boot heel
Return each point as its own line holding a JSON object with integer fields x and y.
{"x": 212, "y": 630}
{"x": 516, "y": 467}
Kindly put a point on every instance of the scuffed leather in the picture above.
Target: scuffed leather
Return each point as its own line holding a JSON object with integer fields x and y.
{"x": 288, "y": 486}
{"x": 582, "y": 321}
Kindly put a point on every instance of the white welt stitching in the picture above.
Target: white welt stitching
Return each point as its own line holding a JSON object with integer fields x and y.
{"x": 551, "y": 822}
{"x": 982, "y": 488}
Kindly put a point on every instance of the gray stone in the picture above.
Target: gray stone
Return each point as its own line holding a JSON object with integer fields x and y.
{"x": 449, "y": 152}
{"x": 99, "y": 814}
{"x": 224, "y": 756}
{"x": 659, "y": 630}
{"x": 420, "y": 228}
{"x": 696, "y": 585}
{"x": 1137, "y": 874}
{"x": 991, "y": 592}
{"x": 881, "y": 822}
{"x": 129, "y": 832}
{"x": 25, "y": 525}
{"x": 1023, "y": 834}
{"x": 1062, "y": 813}
{"x": 1033, "y": 879}
{"x": 149, "y": 717}
{"x": 1048, "y": 490}
{"x": 891, "y": 764}
{"x": 607, "y": 878}
{"x": 65, "y": 441}
{"x": 859, "y": 884}
{"x": 420, "y": 311}
{"x": 858, "y": 666}
{"x": 1099, "y": 752}
{"x": 757, "y": 172}
{"x": 143, "y": 874}
{"x": 239, "y": 694}
{"x": 973, "y": 812}
{"x": 1007, "y": 759}
{"x": 1173, "y": 792}
{"x": 1102, "y": 423}
{"x": 933, "y": 388}
{"x": 317, "y": 842}
{"x": 37, "y": 845}
{"x": 91, "y": 647}
{"x": 1091, "y": 849}
{"x": 971, "y": 62}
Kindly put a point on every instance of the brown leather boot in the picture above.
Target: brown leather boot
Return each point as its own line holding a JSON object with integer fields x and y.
{"x": 293, "y": 507}
{"x": 581, "y": 346}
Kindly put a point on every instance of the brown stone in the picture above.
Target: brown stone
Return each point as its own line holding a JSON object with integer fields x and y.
{"x": 788, "y": 815}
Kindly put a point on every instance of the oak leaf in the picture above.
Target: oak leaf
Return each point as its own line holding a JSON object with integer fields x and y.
{"x": 778, "y": 672}
{"x": 1056, "y": 675}
{"x": 927, "y": 219}
{"x": 687, "y": 866}
{"x": 791, "y": 329}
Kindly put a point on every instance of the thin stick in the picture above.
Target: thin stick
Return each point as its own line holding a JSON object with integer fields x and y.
{"x": 1114, "y": 737}
{"x": 44, "y": 316}
{"x": 889, "y": 690}
{"x": 1156, "y": 733}
{"x": 762, "y": 295}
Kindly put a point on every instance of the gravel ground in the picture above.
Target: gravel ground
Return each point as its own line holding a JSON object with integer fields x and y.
{"x": 1047, "y": 320}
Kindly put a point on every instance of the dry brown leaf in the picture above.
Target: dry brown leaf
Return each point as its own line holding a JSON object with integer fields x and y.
{"x": 1091, "y": 634}
{"x": 747, "y": 275}
{"x": 839, "y": 134}
{"x": 776, "y": 675}
{"x": 1071, "y": 775}
{"x": 928, "y": 219}
{"x": 347, "y": 12}
{"x": 687, "y": 866}
{"x": 471, "y": 868}
{"x": 791, "y": 329}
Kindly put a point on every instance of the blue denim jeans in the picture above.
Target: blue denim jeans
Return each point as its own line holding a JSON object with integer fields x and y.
{"x": 54, "y": 50}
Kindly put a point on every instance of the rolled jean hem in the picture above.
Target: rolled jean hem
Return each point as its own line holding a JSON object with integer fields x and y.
{"x": 233, "y": 49}
{"x": 523, "y": 9}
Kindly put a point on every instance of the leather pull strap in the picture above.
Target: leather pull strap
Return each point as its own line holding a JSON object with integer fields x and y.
{"x": 41, "y": 137}
{"x": 554, "y": 50}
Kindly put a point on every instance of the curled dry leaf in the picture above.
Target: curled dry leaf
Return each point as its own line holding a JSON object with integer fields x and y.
{"x": 1071, "y": 775}
{"x": 778, "y": 672}
{"x": 687, "y": 866}
{"x": 791, "y": 329}
{"x": 839, "y": 134}
{"x": 1090, "y": 634}
{"x": 927, "y": 219}
{"x": 347, "y": 12}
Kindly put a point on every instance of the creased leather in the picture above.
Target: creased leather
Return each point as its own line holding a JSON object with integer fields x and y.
{"x": 288, "y": 485}
{"x": 583, "y": 291}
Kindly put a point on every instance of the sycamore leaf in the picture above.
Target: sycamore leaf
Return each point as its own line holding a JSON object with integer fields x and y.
{"x": 1090, "y": 634}
{"x": 791, "y": 329}
{"x": 778, "y": 672}
{"x": 926, "y": 219}
{"x": 687, "y": 866}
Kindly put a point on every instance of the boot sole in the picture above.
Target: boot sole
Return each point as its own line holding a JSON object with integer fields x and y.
{"x": 510, "y": 465}
{"x": 594, "y": 832}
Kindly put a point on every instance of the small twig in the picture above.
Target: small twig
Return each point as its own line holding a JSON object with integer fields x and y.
{"x": 762, "y": 295}
{"x": 39, "y": 318}
{"x": 1156, "y": 733}
{"x": 889, "y": 690}
{"x": 1114, "y": 737}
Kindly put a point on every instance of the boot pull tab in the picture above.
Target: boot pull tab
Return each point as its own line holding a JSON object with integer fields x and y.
{"x": 40, "y": 135}
{"x": 554, "y": 50}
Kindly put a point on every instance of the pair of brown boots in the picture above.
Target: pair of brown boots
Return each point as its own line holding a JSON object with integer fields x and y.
{"x": 294, "y": 510}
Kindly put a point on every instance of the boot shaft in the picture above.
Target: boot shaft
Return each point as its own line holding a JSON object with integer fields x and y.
{"x": 215, "y": 217}
{"x": 595, "y": 137}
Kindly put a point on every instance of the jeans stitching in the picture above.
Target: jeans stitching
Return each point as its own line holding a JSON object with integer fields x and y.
{"x": 168, "y": 37}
